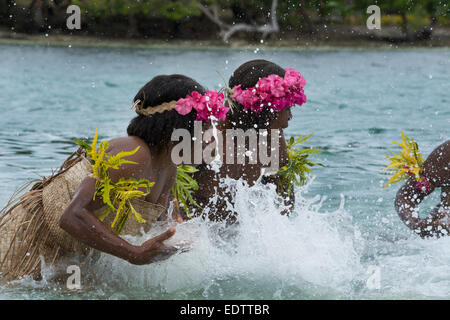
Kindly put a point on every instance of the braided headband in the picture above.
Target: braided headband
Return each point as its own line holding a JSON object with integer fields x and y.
{"x": 272, "y": 91}
{"x": 208, "y": 106}
{"x": 139, "y": 108}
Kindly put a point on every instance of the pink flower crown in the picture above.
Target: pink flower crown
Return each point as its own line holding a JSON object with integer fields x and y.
{"x": 211, "y": 104}
{"x": 208, "y": 106}
{"x": 273, "y": 91}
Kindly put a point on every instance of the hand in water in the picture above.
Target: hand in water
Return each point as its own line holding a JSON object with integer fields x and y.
{"x": 155, "y": 250}
{"x": 436, "y": 224}
{"x": 444, "y": 217}
{"x": 440, "y": 213}
{"x": 184, "y": 246}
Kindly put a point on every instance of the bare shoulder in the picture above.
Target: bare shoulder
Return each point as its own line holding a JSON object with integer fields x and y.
{"x": 441, "y": 152}
{"x": 142, "y": 157}
{"x": 436, "y": 167}
{"x": 129, "y": 143}
{"x": 444, "y": 146}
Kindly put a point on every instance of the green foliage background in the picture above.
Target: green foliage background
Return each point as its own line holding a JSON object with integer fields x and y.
{"x": 297, "y": 16}
{"x": 173, "y": 10}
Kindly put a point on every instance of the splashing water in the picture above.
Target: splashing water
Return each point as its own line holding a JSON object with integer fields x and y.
{"x": 217, "y": 162}
{"x": 325, "y": 249}
{"x": 265, "y": 253}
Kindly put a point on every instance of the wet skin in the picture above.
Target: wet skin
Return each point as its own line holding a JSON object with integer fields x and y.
{"x": 437, "y": 170}
{"x": 208, "y": 180}
{"x": 152, "y": 164}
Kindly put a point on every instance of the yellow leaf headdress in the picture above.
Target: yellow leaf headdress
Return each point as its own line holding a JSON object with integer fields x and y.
{"x": 407, "y": 163}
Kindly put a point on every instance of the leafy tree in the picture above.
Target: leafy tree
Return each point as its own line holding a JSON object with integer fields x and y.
{"x": 432, "y": 8}
{"x": 5, "y": 9}
{"x": 418, "y": 18}
{"x": 400, "y": 7}
{"x": 172, "y": 9}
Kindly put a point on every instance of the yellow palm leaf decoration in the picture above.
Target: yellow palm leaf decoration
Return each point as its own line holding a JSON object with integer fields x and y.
{"x": 117, "y": 195}
{"x": 405, "y": 164}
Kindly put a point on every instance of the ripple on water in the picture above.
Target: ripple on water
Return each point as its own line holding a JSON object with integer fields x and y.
{"x": 358, "y": 101}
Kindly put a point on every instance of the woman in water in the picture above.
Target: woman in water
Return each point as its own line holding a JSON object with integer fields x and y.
{"x": 59, "y": 217}
{"x": 435, "y": 174}
{"x": 250, "y": 113}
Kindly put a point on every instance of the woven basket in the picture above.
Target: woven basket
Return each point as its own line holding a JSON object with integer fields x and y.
{"x": 29, "y": 224}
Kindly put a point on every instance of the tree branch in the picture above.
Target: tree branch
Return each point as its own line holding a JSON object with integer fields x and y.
{"x": 227, "y": 30}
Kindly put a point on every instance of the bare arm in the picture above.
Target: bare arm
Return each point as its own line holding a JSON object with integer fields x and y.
{"x": 435, "y": 170}
{"x": 406, "y": 203}
{"x": 79, "y": 221}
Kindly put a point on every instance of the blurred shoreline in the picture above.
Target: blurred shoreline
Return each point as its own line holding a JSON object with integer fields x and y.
{"x": 227, "y": 24}
{"x": 361, "y": 40}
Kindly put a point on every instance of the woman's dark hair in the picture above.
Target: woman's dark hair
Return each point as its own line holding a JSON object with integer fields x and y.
{"x": 157, "y": 129}
{"x": 248, "y": 75}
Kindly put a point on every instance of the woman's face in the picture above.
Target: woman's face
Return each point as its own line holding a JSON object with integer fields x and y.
{"x": 282, "y": 119}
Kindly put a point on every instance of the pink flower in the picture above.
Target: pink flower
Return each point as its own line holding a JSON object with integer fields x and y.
{"x": 237, "y": 92}
{"x": 216, "y": 107}
{"x": 210, "y": 104}
{"x": 423, "y": 185}
{"x": 264, "y": 84}
{"x": 184, "y": 106}
{"x": 273, "y": 91}
{"x": 245, "y": 97}
{"x": 292, "y": 78}
{"x": 273, "y": 84}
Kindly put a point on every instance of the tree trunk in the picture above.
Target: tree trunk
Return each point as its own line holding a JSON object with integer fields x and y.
{"x": 308, "y": 25}
{"x": 227, "y": 30}
{"x": 405, "y": 28}
{"x": 132, "y": 26}
{"x": 5, "y": 10}
{"x": 39, "y": 13}
{"x": 427, "y": 32}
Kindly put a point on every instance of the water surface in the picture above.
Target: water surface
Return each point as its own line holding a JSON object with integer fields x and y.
{"x": 344, "y": 222}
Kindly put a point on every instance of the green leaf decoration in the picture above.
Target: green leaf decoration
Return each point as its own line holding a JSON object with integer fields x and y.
{"x": 83, "y": 144}
{"x": 184, "y": 186}
{"x": 298, "y": 169}
{"x": 116, "y": 196}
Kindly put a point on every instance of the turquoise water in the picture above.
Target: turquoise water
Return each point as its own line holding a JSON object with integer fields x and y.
{"x": 344, "y": 222}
